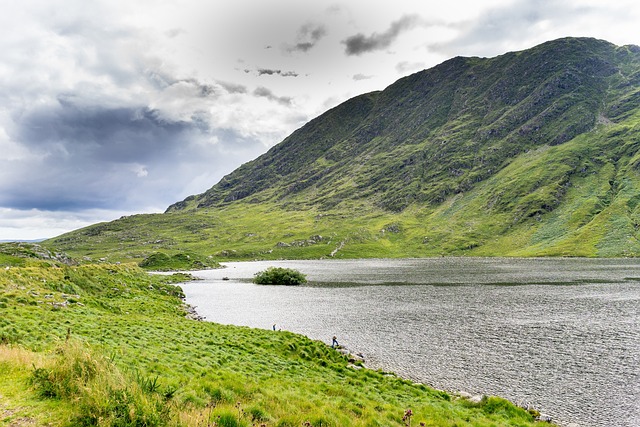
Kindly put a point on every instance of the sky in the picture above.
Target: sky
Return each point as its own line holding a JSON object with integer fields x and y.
{"x": 117, "y": 107}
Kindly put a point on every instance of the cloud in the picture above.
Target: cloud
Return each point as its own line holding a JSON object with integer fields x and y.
{"x": 140, "y": 170}
{"x": 233, "y": 87}
{"x": 522, "y": 23}
{"x": 406, "y": 67}
{"x": 263, "y": 92}
{"x": 35, "y": 224}
{"x": 163, "y": 81}
{"x": 308, "y": 36}
{"x": 359, "y": 43}
{"x": 272, "y": 72}
{"x": 358, "y": 77}
{"x": 89, "y": 156}
{"x": 108, "y": 134}
{"x": 268, "y": 72}
{"x": 116, "y": 159}
{"x": 175, "y": 32}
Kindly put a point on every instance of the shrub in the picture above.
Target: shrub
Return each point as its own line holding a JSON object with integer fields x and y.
{"x": 280, "y": 276}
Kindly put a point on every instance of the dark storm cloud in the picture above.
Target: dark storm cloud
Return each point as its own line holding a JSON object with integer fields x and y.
{"x": 54, "y": 198}
{"x": 91, "y": 156}
{"x": 360, "y": 43}
{"x": 101, "y": 134}
{"x": 308, "y": 36}
{"x": 263, "y": 92}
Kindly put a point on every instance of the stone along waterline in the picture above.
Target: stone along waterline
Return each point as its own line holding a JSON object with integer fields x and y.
{"x": 560, "y": 334}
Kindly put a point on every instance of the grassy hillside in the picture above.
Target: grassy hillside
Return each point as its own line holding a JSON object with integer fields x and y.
{"x": 532, "y": 153}
{"x": 579, "y": 198}
{"x": 109, "y": 345}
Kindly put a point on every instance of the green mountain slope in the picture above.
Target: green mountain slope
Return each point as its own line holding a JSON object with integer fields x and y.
{"x": 529, "y": 153}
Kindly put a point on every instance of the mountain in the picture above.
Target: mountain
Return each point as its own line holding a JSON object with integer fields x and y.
{"x": 529, "y": 153}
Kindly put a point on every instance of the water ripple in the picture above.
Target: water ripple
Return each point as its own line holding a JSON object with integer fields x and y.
{"x": 560, "y": 334}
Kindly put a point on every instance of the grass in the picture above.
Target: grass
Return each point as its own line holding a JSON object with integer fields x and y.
{"x": 19, "y": 405}
{"x": 159, "y": 261}
{"x": 109, "y": 345}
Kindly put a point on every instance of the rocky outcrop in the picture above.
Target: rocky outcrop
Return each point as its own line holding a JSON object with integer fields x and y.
{"x": 191, "y": 313}
{"x": 36, "y": 251}
{"x": 351, "y": 357}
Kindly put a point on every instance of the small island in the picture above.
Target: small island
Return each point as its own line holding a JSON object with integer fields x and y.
{"x": 280, "y": 276}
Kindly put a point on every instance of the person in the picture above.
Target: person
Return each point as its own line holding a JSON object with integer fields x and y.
{"x": 274, "y": 326}
{"x": 334, "y": 343}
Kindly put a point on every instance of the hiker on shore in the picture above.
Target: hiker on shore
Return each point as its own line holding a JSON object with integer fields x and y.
{"x": 334, "y": 343}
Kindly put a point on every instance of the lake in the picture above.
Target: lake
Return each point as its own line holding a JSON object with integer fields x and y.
{"x": 560, "y": 334}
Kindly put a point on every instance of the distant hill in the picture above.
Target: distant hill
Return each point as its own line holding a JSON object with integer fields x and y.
{"x": 529, "y": 153}
{"x": 22, "y": 240}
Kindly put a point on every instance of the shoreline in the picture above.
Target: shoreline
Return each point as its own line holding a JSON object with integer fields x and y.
{"x": 534, "y": 325}
{"x": 358, "y": 361}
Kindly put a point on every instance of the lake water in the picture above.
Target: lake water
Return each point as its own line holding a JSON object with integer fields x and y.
{"x": 560, "y": 334}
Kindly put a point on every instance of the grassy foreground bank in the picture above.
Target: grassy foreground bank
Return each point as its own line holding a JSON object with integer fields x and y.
{"x": 109, "y": 345}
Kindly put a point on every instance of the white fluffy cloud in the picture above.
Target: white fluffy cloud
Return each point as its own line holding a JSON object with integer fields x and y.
{"x": 111, "y": 106}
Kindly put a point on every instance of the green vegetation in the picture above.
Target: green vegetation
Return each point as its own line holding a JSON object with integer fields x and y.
{"x": 280, "y": 276}
{"x": 159, "y": 261}
{"x": 531, "y": 153}
{"x": 101, "y": 392}
{"x": 109, "y": 345}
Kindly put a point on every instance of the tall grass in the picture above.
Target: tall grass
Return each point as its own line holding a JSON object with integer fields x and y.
{"x": 103, "y": 395}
